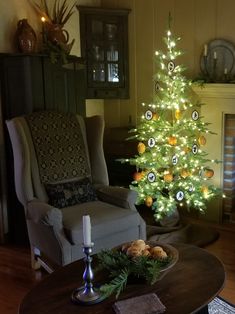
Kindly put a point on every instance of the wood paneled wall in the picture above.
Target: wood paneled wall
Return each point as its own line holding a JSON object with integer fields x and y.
{"x": 195, "y": 21}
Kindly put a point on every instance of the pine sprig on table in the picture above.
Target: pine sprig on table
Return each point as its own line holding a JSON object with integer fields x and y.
{"x": 153, "y": 270}
{"x": 120, "y": 267}
{"x": 112, "y": 260}
{"x": 138, "y": 267}
{"x": 116, "y": 285}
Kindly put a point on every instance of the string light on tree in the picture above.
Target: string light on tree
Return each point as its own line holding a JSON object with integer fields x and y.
{"x": 172, "y": 167}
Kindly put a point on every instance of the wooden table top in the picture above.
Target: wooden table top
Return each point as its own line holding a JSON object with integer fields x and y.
{"x": 190, "y": 285}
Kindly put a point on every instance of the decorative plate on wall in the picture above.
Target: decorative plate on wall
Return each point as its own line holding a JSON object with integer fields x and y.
{"x": 218, "y": 61}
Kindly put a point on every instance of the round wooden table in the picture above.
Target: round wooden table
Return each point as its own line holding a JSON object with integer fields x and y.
{"x": 190, "y": 285}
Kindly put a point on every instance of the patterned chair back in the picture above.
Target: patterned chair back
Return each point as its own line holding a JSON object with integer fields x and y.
{"x": 49, "y": 147}
{"x": 59, "y": 146}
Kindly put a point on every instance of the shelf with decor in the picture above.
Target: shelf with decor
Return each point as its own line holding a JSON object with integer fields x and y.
{"x": 217, "y": 62}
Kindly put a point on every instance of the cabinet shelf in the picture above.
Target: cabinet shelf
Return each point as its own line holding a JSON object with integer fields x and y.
{"x": 104, "y": 46}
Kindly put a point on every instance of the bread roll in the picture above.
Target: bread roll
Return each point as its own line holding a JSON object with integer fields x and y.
{"x": 140, "y": 244}
{"x": 146, "y": 252}
{"x": 134, "y": 251}
{"x": 158, "y": 252}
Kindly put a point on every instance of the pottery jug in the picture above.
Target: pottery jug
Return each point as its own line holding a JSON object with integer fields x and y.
{"x": 25, "y": 37}
{"x": 56, "y": 34}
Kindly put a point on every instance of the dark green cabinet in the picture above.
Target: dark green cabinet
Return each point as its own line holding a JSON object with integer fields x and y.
{"x": 32, "y": 82}
{"x": 65, "y": 86}
{"x": 104, "y": 46}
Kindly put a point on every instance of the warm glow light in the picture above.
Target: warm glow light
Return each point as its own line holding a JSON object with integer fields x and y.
{"x": 43, "y": 19}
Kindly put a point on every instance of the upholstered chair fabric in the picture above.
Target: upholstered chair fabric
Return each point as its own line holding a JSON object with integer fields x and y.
{"x": 61, "y": 175}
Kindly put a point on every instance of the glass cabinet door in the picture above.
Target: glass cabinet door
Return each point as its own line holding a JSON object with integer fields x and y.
{"x": 112, "y": 57}
{"x": 105, "y": 51}
{"x": 104, "y": 47}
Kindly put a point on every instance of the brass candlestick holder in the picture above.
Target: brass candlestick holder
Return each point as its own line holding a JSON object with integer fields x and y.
{"x": 87, "y": 294}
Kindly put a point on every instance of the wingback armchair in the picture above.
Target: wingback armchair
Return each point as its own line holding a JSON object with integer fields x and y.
{"x": 61, "y": 175}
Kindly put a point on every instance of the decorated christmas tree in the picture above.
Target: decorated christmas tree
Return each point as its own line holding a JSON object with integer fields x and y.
{"x": 172, "y": 168}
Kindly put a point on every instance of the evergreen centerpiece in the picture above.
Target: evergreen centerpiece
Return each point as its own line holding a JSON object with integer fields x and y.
{"x": 148, "y": 261}
{"x": 172, "y": 167}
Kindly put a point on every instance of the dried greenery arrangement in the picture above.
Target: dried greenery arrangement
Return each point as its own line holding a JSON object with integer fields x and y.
{"x": 55, "y": 38}
{"x": 60, "y": 13}
{"x": 122, "y": 266}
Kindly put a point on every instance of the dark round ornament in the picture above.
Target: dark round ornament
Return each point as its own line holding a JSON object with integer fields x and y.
{"x": 157, "y": 86}
{"x": 191, "y": 188}
{"x": 148, "y": 115}
{"x": 174, "y": 160}
{"x": 194, "y": 149}
{"x": 151, "y": 142}
{"x": 195, "y": 115}
{"x": 171, "y": 66}
{"x": 180, "y": 196}
{"x": 151, "y": 177}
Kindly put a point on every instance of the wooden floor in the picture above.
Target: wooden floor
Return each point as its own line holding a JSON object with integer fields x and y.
{"x": 17, "y": 278}
{"x": 224, "y": 249}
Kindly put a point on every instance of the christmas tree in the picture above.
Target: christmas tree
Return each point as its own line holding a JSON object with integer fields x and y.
{"x": 171, "y": 165}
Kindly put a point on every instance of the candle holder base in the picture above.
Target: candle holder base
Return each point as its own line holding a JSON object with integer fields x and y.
{"x": 83, "y": 296}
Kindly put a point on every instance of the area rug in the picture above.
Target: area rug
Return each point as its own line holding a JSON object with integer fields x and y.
{"x": 220, "y": 306}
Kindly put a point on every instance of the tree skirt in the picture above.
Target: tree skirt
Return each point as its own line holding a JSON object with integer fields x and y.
{"x": 220, "y": 306}
{"x": 189, "y": 234}
{"x": 171, "y": 229}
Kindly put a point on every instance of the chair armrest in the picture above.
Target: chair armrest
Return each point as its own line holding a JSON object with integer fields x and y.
{"x": 39, "y": 211}
{"x": 119, "y": 196}
{"x": 45, "y": 223}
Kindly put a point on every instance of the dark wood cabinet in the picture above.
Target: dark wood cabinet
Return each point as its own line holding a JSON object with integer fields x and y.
{"x": 64, "y": 86}
{"x": 104, "y": 46}
{"x": 30, "y": 83}
{"x": 116, "y": 147}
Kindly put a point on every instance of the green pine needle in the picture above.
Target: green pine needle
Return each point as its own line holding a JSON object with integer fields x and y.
{"x": 116, "y": 285}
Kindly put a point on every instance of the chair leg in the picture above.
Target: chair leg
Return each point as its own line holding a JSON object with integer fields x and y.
{"x": 35, "y": 264}
{"x": 37, "y": 261}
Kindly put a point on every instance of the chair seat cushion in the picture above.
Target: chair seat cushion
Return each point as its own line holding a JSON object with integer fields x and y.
{"x": 70, "y": 193}
{"x": 106, "y": 219}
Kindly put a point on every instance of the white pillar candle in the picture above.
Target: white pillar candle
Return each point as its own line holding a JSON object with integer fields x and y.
{"x": 205, "y": 50}
{"x": 86, "y": 230}
{"x": 215, "y": 55}
{"x": 225, "y": 71}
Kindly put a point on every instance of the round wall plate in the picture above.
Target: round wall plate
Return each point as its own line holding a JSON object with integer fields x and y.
{"x": 219, "y": 63}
